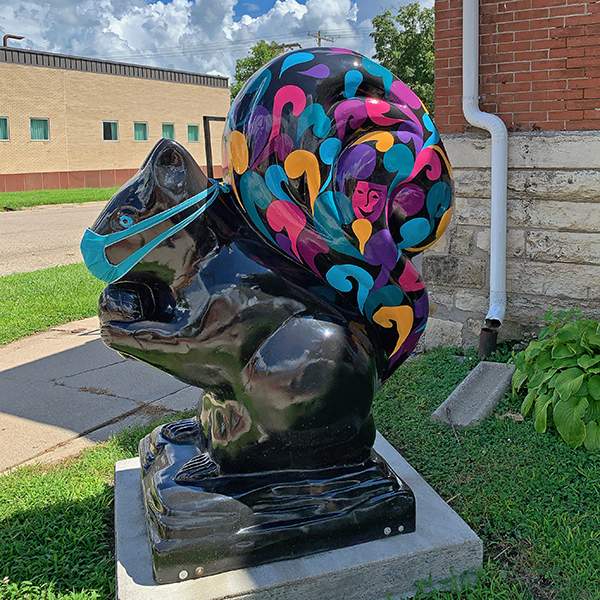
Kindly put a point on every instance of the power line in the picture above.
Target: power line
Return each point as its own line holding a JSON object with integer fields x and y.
{"x": 219, "y": 47}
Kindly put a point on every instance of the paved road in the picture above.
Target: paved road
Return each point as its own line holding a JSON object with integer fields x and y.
{"x": 44, "y": 237}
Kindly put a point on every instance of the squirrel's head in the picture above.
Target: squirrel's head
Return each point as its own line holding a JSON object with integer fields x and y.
{"x": 151, "y": 235}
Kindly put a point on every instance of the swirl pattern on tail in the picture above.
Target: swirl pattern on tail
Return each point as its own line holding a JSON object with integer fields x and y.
{"x": 337, "y": 163}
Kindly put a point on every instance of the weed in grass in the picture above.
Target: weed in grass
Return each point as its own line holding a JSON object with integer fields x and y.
{"x": 488, "y": 584}
{"x": 35, "y": 301}
{"x": 18, "y": 200}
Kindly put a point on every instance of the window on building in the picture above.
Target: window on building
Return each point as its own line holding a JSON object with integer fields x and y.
{"x": 3, "y": 128}
{"x": 140, "y": 132}
{"x": 110, "y": 131}
{"x": 193, "y": 133}
{"x": 40, "y": 129}
{"x": 168, "y": 131}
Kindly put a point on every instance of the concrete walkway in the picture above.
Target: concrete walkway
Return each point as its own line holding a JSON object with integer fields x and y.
{"x": 62, "y": 390}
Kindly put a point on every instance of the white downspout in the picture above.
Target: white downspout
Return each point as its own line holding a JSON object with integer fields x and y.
{"x": 497, "y": 129}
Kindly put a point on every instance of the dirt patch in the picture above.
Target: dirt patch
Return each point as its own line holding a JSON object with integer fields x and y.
{"x": 515, "y": 560}
{"x": 99, "y": 391}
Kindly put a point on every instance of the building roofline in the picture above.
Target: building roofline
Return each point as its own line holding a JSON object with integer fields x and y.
{"x": 50, "y": 60}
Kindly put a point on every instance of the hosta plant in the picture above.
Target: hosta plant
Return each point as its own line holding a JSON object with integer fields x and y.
{"x": 560, "y": 374}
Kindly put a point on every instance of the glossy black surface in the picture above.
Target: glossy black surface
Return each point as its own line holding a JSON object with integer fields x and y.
{"x": 288, "y": 299}
{"x": 202, "y": 521}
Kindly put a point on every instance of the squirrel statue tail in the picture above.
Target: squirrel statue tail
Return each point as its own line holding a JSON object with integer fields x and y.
{"x": 337, "y": 163}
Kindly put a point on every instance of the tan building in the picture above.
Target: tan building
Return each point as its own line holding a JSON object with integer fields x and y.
{"x": 77, "y": 122}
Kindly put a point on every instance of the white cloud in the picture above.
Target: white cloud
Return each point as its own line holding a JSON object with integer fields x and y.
{"x": 192, "y": 35}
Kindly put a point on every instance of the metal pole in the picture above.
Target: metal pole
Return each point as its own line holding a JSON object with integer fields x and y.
{"x": 320, "y": 37}
{"x": 207, "y": 144}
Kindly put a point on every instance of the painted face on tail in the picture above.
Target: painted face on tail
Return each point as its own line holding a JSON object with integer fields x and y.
{"x": 368, "y": 200}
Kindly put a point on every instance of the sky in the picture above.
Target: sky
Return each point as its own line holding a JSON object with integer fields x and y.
{"x": 205, "y": 36}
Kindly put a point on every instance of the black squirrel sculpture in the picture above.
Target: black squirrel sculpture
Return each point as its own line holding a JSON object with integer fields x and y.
{"x": 288, "y": 295}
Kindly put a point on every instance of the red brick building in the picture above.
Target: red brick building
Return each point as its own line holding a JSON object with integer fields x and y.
{"x": 539, "y": 71}
{"x": 539, "y": 64}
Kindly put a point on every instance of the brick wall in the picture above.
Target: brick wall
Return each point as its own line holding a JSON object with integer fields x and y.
{"x": 63, "y": 180}
{"x": 539, "y": 64}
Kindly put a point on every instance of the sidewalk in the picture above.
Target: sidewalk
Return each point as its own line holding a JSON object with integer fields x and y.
{"x": 62, "y": 390}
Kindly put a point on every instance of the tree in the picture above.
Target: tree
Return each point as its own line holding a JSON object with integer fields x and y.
{"x": 260, "y": 54}
{"x": 404, "y": 45}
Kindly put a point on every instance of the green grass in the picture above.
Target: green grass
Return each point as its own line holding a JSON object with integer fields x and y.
{"x": 35, "y": 301}
{"x": 18, "y": 200}
{"x": 56, "y": 531}
{"x": 533, "y": 501}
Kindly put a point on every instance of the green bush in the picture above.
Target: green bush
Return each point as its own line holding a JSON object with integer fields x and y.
{"x": 561, "y": 374}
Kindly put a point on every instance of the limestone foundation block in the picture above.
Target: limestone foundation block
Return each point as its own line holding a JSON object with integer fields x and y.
{"x": 444, "y": 333}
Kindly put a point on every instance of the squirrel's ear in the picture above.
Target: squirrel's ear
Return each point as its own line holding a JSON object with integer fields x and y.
{"x": 175, "y": 171}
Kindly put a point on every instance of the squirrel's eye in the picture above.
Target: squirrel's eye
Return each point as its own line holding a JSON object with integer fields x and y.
{"x": 125, "y": 221}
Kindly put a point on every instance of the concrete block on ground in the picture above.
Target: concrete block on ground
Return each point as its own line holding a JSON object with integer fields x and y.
{"x": 477, "y": 396}
{"x": 387, "y": 568}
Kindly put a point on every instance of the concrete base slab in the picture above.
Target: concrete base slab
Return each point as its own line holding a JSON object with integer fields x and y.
{"x": 443, "y": 545}
{"x": 477, "y": 396}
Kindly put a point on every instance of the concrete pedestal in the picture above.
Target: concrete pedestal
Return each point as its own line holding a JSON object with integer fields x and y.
{"x": 442, "y": 545}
